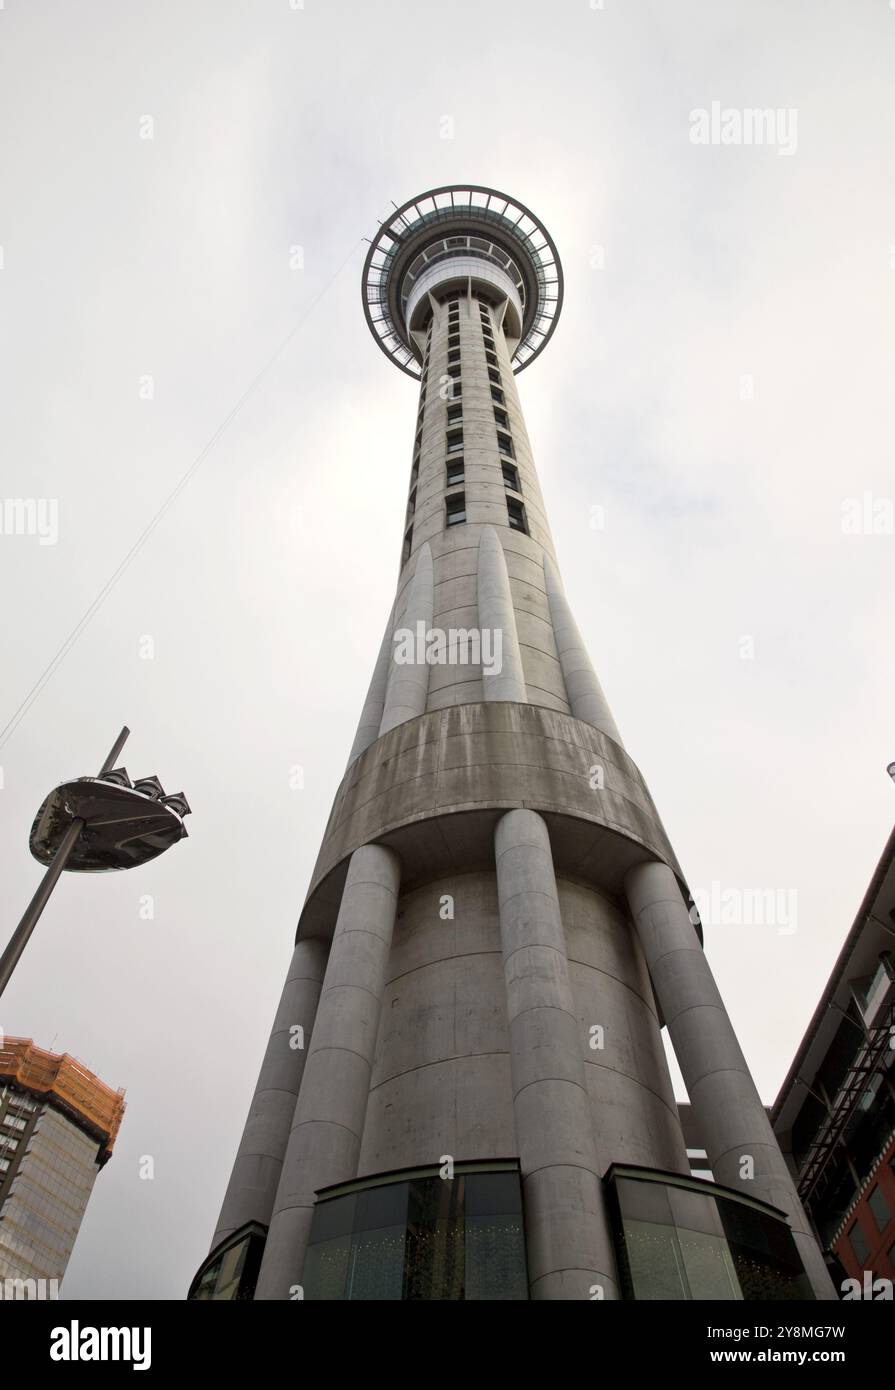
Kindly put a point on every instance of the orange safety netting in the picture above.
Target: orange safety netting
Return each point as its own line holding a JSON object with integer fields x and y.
{"x": 63, "y": 1076}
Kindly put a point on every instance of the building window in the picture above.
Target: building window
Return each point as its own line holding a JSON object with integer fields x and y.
{"x": 411, "y": 504}
{"x": 231, "y": 1272}
{"x": 880, "y": 1208}
{"x": 516, "y": 513}
{"x": 497, "y": 395}
{"x": 858, "y": 1242}
{"x": 420, "y": 1237}
{"x": 22, "y": 1103}
{"x": 501, "y": 418}
{"x": 454, "y": 355}
{"x": 453, "y": 340}
{"x": 455, "y": 442}
{"x": 455, "y": 414}
{"x": 680, "y": 1238}
{"x": 491, "y": 359}
{"x": 455, "y": 509}
{"x": 511, "y": 477}
{"x": 456, "y": 472}
{"x": 494, "y": 375}
{"x": 505, "y": 445}
{"x": 4, "y": 1165}
{"x": 408, "y": 543}
{"x": 13, "y": 1122}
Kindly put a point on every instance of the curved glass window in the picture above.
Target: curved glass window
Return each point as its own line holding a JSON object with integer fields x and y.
{"x": 419, "y": 1236}
{"x": 680, "y": 1238}
{"x": 231, "y": 1271}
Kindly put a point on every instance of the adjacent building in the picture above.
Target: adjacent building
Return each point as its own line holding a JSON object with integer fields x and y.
{"x": 465, "y": 1094}
{"x": 835, "y": 1114}
{"x": 58, "y": 1124}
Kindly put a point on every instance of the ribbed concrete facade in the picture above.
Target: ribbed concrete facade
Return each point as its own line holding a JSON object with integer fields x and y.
{"x": 487, "y": 928}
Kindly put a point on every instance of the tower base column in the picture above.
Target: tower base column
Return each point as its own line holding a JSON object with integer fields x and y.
{"x": 256, "y": 1172}
{"x": 329, "y": 1117}
{"x": 570, "y": 1252}
{"x": 742, "y": 1148}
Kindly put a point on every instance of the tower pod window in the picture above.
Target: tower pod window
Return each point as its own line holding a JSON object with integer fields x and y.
{"x": 501, "y": 417}
{"x": 408, "y": 542}
{"x": 455, "y": 509}
{"x": 455, "y": 442}
{"x": 511, "y": 477}
{"x": 456, "y": 472}
{"x": 516, "y": 516}
{"x": 505, "y": 445}
{"x": 455, "y": 414}
{"x": 454, "y": 355}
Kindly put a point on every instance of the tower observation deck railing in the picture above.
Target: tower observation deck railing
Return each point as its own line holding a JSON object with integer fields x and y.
{"x": 510, "y": 233}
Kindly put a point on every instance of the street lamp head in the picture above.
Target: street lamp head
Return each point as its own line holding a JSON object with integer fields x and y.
{"x": 92, "y": 824}
{"x": 123, "y": 826}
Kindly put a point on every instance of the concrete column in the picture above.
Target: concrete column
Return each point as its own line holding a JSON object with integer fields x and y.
{"x": 256, "y": 1171}
{"x": 586, "y": 698}
{"x": 328, "y": 1124}
{"x": 567, "y": 1232}
{"x": 408, "y": 684}
{"x": 726, "y": 1105}
{"x": 497, "y": 614}
{"x": 371, "y": 714}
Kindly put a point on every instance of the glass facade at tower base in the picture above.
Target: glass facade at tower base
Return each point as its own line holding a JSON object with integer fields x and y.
{"x": 682, "y": 1238}
{"x": 428, "y": 1234}
{"x": 457, "y": 1233}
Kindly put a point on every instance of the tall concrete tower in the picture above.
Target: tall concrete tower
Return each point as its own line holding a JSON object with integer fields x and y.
{"x": 465, "y": 1093}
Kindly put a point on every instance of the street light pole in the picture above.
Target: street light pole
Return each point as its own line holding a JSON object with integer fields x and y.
{"x": 20, "y": 937}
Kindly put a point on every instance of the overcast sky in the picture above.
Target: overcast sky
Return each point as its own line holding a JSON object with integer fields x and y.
{"x": 718, "y": 388}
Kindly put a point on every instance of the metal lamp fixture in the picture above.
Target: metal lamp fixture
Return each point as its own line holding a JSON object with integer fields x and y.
{"x": 95, "y": 824}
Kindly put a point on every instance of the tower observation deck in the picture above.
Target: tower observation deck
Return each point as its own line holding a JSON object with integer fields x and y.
{"x": 465, "y": 1093}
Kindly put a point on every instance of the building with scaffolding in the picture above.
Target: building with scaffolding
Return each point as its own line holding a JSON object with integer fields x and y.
{"x": 835, "y": 1114}
{"x": 58, "y": 1124}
